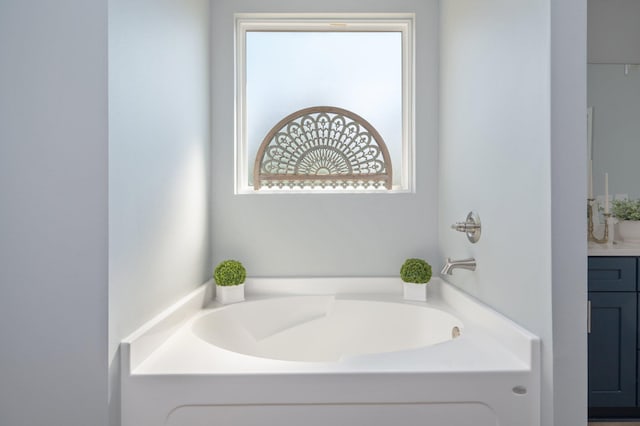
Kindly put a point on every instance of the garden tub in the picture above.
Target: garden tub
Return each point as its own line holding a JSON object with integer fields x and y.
{"x": 323, "y": 328}
{"x": 331, "y": 351}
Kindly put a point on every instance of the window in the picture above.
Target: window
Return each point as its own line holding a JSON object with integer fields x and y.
{"x": 345, "y": 72}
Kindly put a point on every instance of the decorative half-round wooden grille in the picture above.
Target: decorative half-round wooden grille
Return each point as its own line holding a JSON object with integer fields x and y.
{"x": 323, "y": 147}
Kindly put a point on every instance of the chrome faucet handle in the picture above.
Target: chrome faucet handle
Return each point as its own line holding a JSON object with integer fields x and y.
{"x": 471, "y": 227}
{"x": 464, "y": 226}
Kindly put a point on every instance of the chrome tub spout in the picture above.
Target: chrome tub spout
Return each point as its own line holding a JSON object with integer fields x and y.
{"x": 469, "y": 264}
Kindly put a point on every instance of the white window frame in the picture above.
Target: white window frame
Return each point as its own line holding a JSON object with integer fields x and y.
{"x": 390, "y": 22}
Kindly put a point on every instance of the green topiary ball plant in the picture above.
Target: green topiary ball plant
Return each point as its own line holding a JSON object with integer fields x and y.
{"x": 415, "y": 271}
{"x": 229, "y": 272}
{"x": 626, "y": 209}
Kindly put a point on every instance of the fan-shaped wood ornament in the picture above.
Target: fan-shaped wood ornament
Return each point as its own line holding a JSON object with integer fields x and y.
{"x": 323, "y": 147}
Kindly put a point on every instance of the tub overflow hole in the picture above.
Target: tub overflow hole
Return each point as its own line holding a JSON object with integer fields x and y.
{"x": 455, "y": 332}
{"x": 519, "y": 390}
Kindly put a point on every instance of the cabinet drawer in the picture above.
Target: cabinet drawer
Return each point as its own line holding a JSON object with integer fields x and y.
{"x": 612, "y": 274}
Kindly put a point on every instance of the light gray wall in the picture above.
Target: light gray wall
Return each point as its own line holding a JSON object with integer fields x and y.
{"x": 53, "y": 213}
{"x": 615, "y": 98}
{"x": 568, "y": 224}
{"x": 513, "y": 129}
{"x": 494, "y": 152}
{"x": 328, "y": 235}
{"x": 158, "y": 161}
{"x": 497, "y": 142}
{"x": 613, "y": 31}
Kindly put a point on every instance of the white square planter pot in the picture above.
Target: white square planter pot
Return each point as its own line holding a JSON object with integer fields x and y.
{"x": 414, "y": 291}
{"x": 226, "y": 294}
{"x": 629, "y": 230}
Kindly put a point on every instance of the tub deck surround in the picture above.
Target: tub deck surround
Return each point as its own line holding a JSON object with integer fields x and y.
{"x": 168, "y": 368}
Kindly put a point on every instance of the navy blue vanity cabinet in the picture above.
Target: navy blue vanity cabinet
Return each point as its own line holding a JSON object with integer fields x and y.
{"x": 613, "y": 331}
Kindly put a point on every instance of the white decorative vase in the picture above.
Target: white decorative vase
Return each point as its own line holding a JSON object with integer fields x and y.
{"x": 629, "y": 230}
{"x": 414, "y": 291}
{"x": 226, "y": 294}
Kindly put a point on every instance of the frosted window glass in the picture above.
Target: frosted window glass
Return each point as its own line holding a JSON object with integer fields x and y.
{"x": 357, "y": 71}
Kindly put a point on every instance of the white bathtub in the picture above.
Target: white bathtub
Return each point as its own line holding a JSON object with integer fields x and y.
{"x": 341, "y": 351}
{"x": 323, "y": 328}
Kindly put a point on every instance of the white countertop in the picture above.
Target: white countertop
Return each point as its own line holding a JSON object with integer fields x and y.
{"x": 618, "y": 248}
